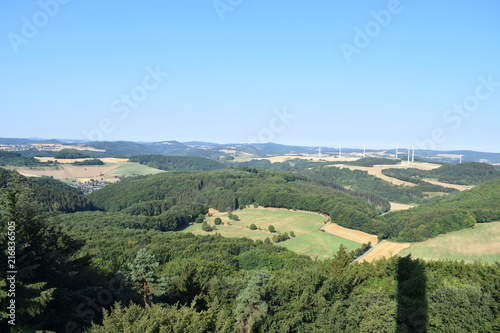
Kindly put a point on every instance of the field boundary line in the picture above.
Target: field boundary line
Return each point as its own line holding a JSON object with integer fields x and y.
{"x": 370, "y": 250}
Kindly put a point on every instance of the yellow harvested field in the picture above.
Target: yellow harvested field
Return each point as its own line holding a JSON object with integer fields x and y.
{"x": 70, "y": 171}
{"x": 400, "y": 206}
{"x": 28, "y": 174}
{"x": 62, "y": 160}
{"x": 376, "y": 170}
{"x": 385, "y": 250}
{"x": 350, "y": 234}
{"x": 71, "y": 160}
{"x": 457, "y": 187}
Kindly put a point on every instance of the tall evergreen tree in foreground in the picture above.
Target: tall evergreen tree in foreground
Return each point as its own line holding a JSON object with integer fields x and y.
{"x": 50, "y": 281}
{"x": 142, "y": 276}
{"x": 251, "y": 308}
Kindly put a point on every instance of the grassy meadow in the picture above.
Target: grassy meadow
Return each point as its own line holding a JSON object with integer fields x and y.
{"x": 480, "y": 243}
{"x": 309, "y": 240}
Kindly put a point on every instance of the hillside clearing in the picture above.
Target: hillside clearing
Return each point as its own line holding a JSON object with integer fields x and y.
{"x": 309, "y": 240}
{"x": 399, "y": 206}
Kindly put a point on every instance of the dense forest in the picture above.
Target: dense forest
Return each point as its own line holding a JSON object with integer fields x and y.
{"x": 69, "y": 154}
{"x": 16, "y": 159}
{"x": 177, "y": 163}
{"x": 357, "y": 180}
{"x": 453, "y": 212}
{"x": 227, "y": 190}
{"x": 169, "y": 148}
{"x": 85, "y": 272}
{"x": 50, "y": 193}
{"x": 371, "y": 161}
{"x": 361, "y": 181}
{"x": 92, "y": 161}
{"x": 230, "y": 189}
{"x": 470, "y": 173}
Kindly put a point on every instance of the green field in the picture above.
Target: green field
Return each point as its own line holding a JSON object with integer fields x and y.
{"x": 481, "y": 243}
{"x": 318, "y": 244}
{"x": 132, "y": 169}
{"x": 305, "y": 225}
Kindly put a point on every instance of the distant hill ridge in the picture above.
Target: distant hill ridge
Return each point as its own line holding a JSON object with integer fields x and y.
{"x": 216, "y": 150}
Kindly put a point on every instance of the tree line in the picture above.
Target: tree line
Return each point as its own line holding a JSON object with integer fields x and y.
{"x": 441, "y": 215}
{"x": 177, "y": 163}
{"x": 469, "y": 173}
{"x": 51, "y": 194}
{"x": 227, "y": 190}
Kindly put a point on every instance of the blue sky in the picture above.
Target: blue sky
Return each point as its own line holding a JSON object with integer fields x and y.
{"x": 292, "y": 72}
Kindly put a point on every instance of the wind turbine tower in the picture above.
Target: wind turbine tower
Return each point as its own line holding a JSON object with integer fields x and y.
{"x": 397, "y": 151}
{"x": 408, "y": 153}
{"x": 413, "y": 153}
{"x": 364, "y": 150}
{"x": 460, "y": 159}
{"x": 340, "y": 151}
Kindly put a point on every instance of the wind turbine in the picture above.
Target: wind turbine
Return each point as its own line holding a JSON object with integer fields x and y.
{"x": 397, "y": 150}
{"x": 364, "y": 150}
{"x": 413, "y": 153}
{"x": 408, "y": 153}
{"x": 461, "y": 159}
{"x": 319, "y": 153}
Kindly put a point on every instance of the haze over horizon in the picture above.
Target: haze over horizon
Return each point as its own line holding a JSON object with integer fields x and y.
{"x": 303, "y": 73}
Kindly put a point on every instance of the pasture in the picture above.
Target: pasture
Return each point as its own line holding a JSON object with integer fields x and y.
{"x": 480, "y": 243}
{"x": 309, "y": 240}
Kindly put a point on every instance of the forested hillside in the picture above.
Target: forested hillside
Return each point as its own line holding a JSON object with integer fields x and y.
{"x": 357, "y": 180}
{"x": 363, "y": 182}
{"x": 211, "y": 283}
{"x": 470, "y": 173}
{"x": 16, "y": 159}
{"x": 98, "y": 272}
{"x": 50, "y": 193}
{"x": 227, "y": 190}
{"x": 173, "y": 148}
{"x": 371, "y": 161}
{"x": 453, "y": 212}
{"x": 177, "y": 163}
{"x": 69, "y": 154}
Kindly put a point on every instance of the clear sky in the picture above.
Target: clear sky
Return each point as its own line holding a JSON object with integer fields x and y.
{"x": 315, "y": 72}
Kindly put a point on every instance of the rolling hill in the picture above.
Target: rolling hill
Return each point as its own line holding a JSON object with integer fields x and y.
{"x": 441, "y": 215}
{"x": 230, "y": 189}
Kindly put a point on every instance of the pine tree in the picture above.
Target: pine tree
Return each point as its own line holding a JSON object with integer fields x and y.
{"x": 142, "y": 274}
{"x": 48, "y": 286}
{"x": 251, "y": 308}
